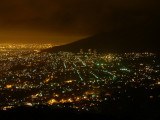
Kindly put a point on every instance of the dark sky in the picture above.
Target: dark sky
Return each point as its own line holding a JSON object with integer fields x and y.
{"x": 61, "y": 21}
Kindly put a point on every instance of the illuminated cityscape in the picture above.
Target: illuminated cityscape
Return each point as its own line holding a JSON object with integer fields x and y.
{"x": 79, "y": 59}
{"x": 82, "y": 80}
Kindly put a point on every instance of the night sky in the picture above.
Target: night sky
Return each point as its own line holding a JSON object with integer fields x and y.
{"x": 63, "y": 21}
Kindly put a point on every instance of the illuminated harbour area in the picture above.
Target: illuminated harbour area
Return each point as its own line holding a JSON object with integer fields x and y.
{"x": 23, "y": 47}
{"x": 82, "y": 80}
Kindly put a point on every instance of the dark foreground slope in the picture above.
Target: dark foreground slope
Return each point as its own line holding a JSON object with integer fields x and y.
{"x": 126, "y": 40}
{"x": 106, "y": 111}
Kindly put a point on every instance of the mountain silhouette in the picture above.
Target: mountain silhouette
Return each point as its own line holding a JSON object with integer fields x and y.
{"x": 125, "y": 40}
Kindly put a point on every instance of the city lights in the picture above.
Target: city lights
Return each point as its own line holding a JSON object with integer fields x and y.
{"x": 82, "y": 79}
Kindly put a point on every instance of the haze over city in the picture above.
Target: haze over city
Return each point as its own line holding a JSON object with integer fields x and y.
{"x": 64, "y": 21}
